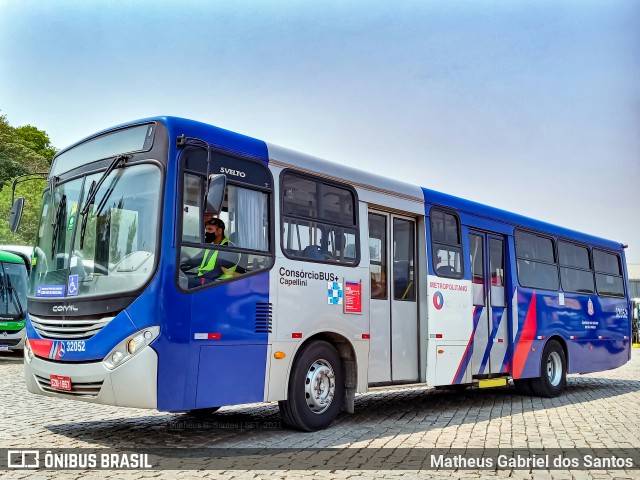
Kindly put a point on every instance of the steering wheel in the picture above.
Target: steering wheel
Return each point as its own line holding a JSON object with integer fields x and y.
{"x": 446, "y": 270}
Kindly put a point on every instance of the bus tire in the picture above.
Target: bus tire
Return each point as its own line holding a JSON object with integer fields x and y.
{"x": 203, "y": 412}
{"x": 553, "y": 371}
{"x": 316, "y": 388}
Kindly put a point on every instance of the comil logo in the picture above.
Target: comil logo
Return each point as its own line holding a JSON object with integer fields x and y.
{"x": 23, "y": 458}
{"x": 65, "y": 308}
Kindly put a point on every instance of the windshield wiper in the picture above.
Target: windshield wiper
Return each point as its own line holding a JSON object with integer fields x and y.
{"x": 62, "y": 206}
{"x": 118, "y": 161}
{"x": 16, "y": 301}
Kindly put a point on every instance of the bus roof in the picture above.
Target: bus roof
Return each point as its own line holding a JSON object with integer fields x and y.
{"x": 9, "y": 257}
{"x": 478, "y": 209}
{"x": 382, "y": 184}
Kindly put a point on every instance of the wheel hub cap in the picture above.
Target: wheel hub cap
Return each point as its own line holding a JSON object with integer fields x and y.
{"x": 320, "y": 386}
{"x": 554, "y": 369}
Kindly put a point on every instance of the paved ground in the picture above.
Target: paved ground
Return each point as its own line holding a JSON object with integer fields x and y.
{"x": 598, "y": 411}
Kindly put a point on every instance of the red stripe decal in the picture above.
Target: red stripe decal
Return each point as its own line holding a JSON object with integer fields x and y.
{"x": 526, "y": 339}
{"x": 41, "y": 348}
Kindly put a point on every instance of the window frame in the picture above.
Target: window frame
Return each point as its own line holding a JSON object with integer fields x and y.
{"x": 180, "y": 243}
{"x": 561, "y": 266}
{"x": 620, "y": 269}
{"x": 459, "y": 246}
{"x": 555, "y": 255}
{"x": 318, "y": 220}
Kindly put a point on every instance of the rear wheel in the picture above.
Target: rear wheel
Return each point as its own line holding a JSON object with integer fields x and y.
{"x": 553, "y": 372}
{"x": 316, "y": 388}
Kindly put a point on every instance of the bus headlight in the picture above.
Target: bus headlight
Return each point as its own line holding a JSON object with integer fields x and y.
{"x": 130, "y": 346}
{"x": 28, "y": 353}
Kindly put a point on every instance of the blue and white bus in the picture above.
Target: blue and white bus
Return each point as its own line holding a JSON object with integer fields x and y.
{"x": 331, "y": 281}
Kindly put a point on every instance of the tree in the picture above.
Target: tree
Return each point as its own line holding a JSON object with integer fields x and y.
{"x": 38, "y": 140}
{"x": 23, "y": 150}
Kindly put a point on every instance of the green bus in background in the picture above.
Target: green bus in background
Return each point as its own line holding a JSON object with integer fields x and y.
{"x": 13, "y": 301}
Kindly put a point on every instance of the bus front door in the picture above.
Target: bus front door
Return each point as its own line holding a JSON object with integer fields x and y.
{"x": 393, "y": 352}
{"x": 491, "y": 339}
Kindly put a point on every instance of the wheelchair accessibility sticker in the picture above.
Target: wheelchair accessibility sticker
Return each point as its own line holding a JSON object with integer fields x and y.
{"x": 72, "y": 287}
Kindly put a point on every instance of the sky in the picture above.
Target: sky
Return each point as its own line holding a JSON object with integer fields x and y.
{"x": 529, "y": 106}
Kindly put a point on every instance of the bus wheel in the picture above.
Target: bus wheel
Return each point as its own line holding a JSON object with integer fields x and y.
{"x": 553, "y": 372}
{"x": 203, "y": 412}
{"x": 316, "y": 388}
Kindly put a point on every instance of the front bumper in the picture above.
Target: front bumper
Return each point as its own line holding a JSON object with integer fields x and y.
{"x": 132, "y": 384}
{"x": 13, "y": 340}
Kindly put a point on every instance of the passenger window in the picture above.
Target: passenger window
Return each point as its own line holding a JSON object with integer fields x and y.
{"x": 609, "y": 281}
{"x": 575, "y": 268}
{"x": 319, "y": 221}
{"x": 446, "y": 244}
{"x": 536, "y": 263}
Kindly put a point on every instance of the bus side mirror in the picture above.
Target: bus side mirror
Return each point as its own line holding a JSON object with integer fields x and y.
{"x": 16, "y": 214}
{"x": 215, "y": 193}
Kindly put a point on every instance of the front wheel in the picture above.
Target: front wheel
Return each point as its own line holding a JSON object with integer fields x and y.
{"x": 316, "y": 388}
{"x": 553, "y": 372}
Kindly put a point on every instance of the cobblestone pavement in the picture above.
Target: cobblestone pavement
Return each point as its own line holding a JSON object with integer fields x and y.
{"x": 598, "y": 411}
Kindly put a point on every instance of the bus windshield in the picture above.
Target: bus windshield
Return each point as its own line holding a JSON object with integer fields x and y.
{"x": 110, "y": 251}
{"x": 13, "y": 290}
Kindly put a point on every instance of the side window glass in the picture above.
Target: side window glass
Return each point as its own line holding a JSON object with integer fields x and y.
{"x": 404, "y": 287}
{"x": 446, "y": 244}
{"x": 575, "y": 269}
{"x": 535, "y": 262}
{"x": 608, "y": 270}
{"x": 496, "y": 266}
{"x": 378, "y": 256}
{"x": 192, "y": 208}
{"x": 225, "y": 246}
{"x": 319, "y": 221}
{"x": 477, "y": 269}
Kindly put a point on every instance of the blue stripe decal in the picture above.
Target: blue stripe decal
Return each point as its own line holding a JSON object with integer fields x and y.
{"x": 464, "y": 364}
{"x": 495, "y": 324}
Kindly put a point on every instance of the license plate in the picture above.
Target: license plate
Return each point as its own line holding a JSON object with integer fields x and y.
{"x": 60, "y": 383}
{"x": 4, "y": 348}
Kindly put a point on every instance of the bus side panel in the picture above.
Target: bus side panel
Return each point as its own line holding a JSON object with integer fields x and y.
{"x": 595, "y": 338}
{"x": 606, "y": 343}
{"x": 233, "y": 359}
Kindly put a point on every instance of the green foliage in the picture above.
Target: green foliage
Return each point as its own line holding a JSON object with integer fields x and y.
{"x": 23, "y": 150}
{"x": 26, "y": 234}
{"x": 38, "y": 141}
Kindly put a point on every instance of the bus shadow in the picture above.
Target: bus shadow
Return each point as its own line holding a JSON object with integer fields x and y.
{"x": 377, "y": 415}
{"x": 11, "y": 357}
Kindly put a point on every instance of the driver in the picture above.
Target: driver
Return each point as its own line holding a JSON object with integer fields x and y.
{"x": 214, "y": 264}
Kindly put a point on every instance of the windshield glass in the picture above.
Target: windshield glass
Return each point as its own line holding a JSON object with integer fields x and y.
{"x": 13, "y": 289}
{"x": 115, "y": 250}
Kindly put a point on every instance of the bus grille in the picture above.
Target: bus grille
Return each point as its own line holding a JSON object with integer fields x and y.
{"x": 263, "y": 317}
{"x": 76, "y": 329}
{"x": 78, "y": 389}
